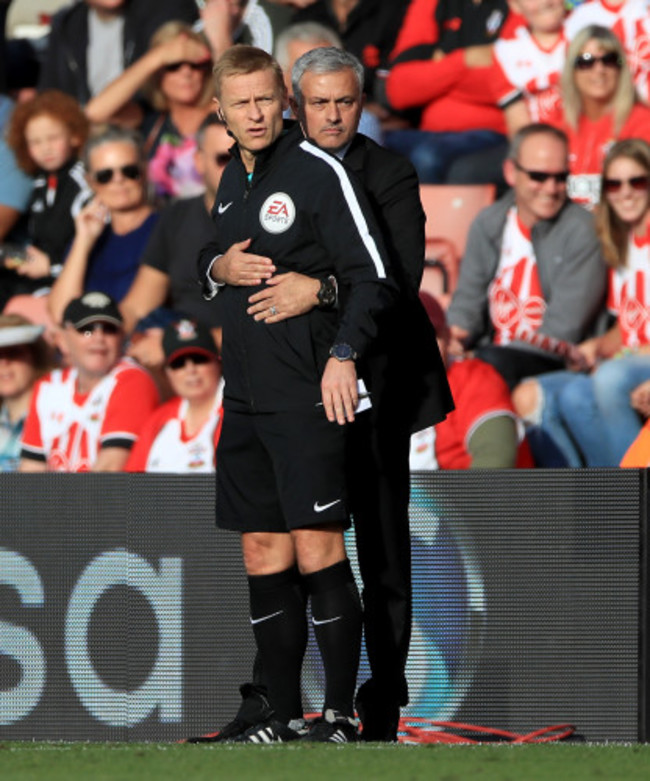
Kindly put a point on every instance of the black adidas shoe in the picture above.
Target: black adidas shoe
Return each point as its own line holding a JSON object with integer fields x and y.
{"x": 253, "y": 710}
{"x": 333, "y": 727}
{"x": 274, "y": 731}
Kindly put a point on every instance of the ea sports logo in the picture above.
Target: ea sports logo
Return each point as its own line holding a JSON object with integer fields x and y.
{"x": 277, "y": 213}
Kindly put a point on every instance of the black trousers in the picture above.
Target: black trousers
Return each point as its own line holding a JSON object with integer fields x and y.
{"x": 379, "y": 486}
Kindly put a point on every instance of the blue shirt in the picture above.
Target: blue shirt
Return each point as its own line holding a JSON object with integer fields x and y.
{"x": 114, "y": 260}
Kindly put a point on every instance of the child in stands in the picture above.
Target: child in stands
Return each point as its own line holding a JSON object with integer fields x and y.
{"x": 46, "y": 135}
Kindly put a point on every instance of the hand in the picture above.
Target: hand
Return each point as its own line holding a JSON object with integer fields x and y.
{"x": 238, "y": 267}
{"x": 457, "y": 337}
{"x": 478, "y": 56}
{"x": 37, "y": 264}
{"x": 640, "y": 399}
{"x": 578, "y": 360}
{"x": 90, "y": 222}
{"x": 288, "y": 294}
{"x": 339, "y": 391}
{"x": 146, "y": 348}
{"x": 182, "y": 48}
{"x": 585, "y": 354}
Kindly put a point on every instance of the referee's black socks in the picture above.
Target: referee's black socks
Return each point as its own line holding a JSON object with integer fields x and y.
{"x": 336, "y": 616}
{"x": 278, "y": 615}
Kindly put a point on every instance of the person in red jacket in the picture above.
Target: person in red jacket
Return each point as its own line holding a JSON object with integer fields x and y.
{"x": 443, "y": 66}
{"x": 483, "y": 432}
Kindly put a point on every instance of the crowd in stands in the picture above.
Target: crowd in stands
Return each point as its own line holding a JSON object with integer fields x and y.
{"x": 111, "y": 156}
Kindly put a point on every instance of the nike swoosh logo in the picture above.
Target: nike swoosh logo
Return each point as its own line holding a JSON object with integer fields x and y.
{"x": 221, "y": 208}
{"x": 319, "y": 508}
{"x": 266, "y": 618}
{"x": 315, "y": 622}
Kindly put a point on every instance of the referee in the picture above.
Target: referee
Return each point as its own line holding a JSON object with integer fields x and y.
{"x": 291, "y": 388}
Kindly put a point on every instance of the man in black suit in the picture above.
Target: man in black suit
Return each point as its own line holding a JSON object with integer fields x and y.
{"x": 404, "y": 373}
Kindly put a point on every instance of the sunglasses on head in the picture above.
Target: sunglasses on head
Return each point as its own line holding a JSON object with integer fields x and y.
{"x": 635, "y": 182}
{"x": 173, "y": 67}
{"x": 130, "y": 171}
{"x": 542, "y": 176}
{"x": 585, "y": 62}
{"x": 110, "y": 329}
{"x": 198, "y": 359}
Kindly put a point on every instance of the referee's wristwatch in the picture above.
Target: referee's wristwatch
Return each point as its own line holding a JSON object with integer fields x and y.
{"x": 328, "y": 293}
{"x": 343, "y": 352}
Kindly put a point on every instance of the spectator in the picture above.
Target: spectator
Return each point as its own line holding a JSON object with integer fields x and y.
{"x": 167, "y": 274}
{"x": 112, "y": 230}
{"x": 367, "y": 29}
{"x": 15, "y": 186}
{"x": 629, "y": 21}
{"x": 599, "y": 107}
{"x": 483, "y": 431}
{"x": 226, "y": 22}
{"x": 46, "y": 135}
{"x": 443, "y": 67}
{"x": 86, "y": 417}
{"x": 532, "y": 275}
{"x": 531, "y": 61}
{"x": 182, "y": 435}
{"x": 91, "y": 42}
{"x": 589, "y": 418}
{"x": 24, "y": 357}
{"x": 298, "y": 39}
{"x": 175, "y": 74}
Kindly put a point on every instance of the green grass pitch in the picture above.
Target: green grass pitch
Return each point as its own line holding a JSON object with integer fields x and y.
{"x": 25, "y": 761}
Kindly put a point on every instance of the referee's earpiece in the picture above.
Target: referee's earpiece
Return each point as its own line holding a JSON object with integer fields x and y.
{"x": 221, "y": 116}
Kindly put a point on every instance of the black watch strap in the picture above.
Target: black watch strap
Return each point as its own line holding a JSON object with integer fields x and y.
{"x": 328, "y": 293}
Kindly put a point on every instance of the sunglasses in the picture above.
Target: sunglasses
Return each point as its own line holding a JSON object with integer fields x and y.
{"x": 14, "y": 353}
{"x": 585, "y": 62}
{"x": 104, "y": 175}
{"x": 173, "y": 67}
{"x": 542, "y": 176}
{"x": 109, "y": 329}
{"x": 223, "y": 159}
{"x": 636, "y": 183}
{"x": 198, "y": 359}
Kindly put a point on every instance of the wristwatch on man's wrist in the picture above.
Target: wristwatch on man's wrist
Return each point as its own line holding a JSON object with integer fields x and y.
{"x": 328, "y": 292}
{"x": 343, "y": 352}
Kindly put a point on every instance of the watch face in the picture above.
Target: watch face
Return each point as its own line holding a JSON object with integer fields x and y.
{"x": 343, "y": 352}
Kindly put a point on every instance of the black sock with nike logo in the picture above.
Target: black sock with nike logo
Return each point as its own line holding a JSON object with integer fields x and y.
{"x": 336, "y": 616}
{"x": 279, "y": 620}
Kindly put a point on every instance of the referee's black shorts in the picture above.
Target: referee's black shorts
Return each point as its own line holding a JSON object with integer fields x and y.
{"x": 280, "y": 471}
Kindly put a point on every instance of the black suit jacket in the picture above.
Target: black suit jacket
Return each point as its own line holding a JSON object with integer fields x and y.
{"x": 403, "y": 369}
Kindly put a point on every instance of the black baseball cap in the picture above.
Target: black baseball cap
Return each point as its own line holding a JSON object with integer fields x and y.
{"x": 92, "y": 307}
{"x": 188, "y": 337}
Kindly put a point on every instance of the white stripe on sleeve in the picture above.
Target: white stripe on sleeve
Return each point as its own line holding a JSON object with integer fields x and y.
{"x": 353, "y": 204}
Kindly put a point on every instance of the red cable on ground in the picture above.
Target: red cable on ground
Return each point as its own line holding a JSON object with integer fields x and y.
{"x": 438, "y": 732}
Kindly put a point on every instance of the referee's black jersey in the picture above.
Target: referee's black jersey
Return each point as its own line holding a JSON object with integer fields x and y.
{"x": 305, "y": 211}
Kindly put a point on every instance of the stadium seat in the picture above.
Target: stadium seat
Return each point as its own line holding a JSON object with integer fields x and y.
{"x": 450, "y": 210}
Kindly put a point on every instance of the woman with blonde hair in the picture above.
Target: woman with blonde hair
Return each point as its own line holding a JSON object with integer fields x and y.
{"x": 175, "y": 77}
{"x": 599, "y": 106}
